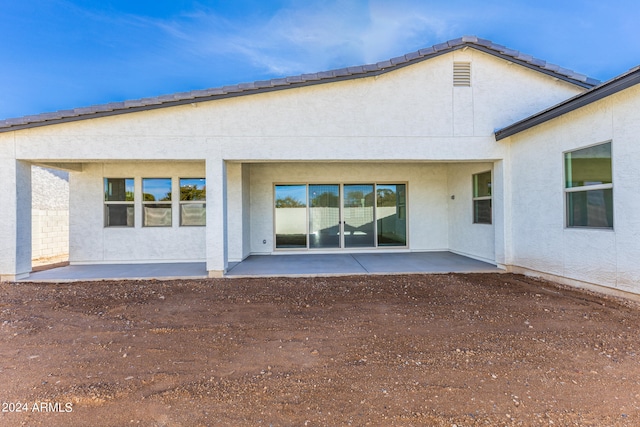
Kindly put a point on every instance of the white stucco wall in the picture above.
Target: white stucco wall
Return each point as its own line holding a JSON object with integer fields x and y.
{"x": 541, "y": 243}
{"x": 465, "y": 237}
{"x": 92, "y": 242}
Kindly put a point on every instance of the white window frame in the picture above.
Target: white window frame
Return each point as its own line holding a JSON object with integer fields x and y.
{"x": 584, "y": 188}
{"x": 182, "y": 203}
{"x": 108, "y": 203}
{"x": 479, "y": 198}
{"x": 168, "y": 203}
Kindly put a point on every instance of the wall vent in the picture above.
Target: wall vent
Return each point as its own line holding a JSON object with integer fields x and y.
{"x": 462, "y": 74}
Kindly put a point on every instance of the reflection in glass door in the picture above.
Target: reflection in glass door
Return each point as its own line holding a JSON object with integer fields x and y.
{"x": 291, "y": 216}
{"x": 324, "y": 216}
{"x": 391, "y": 214}
{"x": 359, "y": 225}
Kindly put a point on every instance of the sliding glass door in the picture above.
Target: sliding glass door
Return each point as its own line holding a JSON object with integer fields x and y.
{"x": 335, "y": 216}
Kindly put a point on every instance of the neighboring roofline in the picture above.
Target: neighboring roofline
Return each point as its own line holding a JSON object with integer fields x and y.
{"x": 615, "y": 85}
{"x": 115, "y": 108}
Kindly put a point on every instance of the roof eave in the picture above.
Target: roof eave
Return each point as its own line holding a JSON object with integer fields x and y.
{"x": 615, "y": 85}
{"x": 343, "y": 74}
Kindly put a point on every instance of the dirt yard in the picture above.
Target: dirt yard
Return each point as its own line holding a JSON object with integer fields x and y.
{"x": 435, "y": 350}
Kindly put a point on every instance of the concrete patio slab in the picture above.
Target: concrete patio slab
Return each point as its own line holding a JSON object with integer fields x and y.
{"x": 358, "y": 263}
{"x": 161, "y": 271}
{"x": 276, "y": 266}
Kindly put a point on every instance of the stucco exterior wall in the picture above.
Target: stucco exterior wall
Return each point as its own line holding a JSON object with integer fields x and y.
{"x": 541, "y": 242}
{"x": 92, "y": 242}
{"x": 465, "y": 237}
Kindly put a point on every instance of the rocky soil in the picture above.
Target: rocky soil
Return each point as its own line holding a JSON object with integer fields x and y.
{"x": 407, "y": 350}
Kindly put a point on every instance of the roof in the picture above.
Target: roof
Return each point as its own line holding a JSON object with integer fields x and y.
{"x": 615, "y": 85}
{"x": 348, "y": 73}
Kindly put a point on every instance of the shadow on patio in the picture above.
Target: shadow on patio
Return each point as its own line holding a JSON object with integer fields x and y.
{"x": 276, "y": 265}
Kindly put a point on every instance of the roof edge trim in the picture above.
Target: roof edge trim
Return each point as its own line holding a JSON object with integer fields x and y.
{"x": 615, "y": 85}
{"x": 243, "y": 89}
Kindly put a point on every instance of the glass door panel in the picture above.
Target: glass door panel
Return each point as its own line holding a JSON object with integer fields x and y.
{"x": 359, "y": 216}
{"x": 291, "y": 216}
{"x": 324, "y": 216}
{"x": 391, "y": 214}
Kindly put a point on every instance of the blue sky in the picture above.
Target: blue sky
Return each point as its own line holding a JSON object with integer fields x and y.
{"x": 61, "y": 54}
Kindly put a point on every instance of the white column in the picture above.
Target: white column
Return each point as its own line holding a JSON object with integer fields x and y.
{"x": 501, "y": 190}
{"x": 216, "y": 230}
{"x": 234, "y": 212}
{"x": 15, "y": 219}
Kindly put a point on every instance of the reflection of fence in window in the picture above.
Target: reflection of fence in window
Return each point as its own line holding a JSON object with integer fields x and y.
{"x": 156, "y": 205}
{"x": 193, "y": 196}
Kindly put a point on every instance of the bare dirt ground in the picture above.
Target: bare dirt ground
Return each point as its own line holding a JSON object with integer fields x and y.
{"x": 415, "y": 350}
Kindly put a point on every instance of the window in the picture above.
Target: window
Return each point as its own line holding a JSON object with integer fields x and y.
{"x": 482, "y": 198}
{"x": 118, "y": 202}
{"x": 589, "y": 187}
{"x": 156, "y": 202}
{"x": 193, "y": 194}
{"x": 339, "y": 216}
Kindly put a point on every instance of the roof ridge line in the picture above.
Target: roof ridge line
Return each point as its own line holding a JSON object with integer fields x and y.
{"x": 279, "y": 83}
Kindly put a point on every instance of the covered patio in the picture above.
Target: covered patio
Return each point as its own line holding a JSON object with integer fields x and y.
{"x": 277, "y": 266}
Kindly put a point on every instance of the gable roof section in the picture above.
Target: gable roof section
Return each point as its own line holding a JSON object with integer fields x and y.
{"x": 115, "y": 108}
{"x": 615, "y": 85}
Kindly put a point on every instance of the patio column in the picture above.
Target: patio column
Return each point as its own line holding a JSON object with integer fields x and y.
{"x": 15, "y": 218}
{"x": 235, "y": 212}
{"x": 502, "y": 213}
{"x": 216, "y": 229}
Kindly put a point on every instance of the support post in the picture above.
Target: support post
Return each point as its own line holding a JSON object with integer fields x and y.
{"x": 15, "y": 219}
{"x": 216, "y": 229}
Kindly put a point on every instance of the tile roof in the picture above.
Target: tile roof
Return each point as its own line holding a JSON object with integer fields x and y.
{"x": 181, "y": 98}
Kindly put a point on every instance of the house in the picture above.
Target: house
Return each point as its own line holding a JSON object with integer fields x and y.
{"x": 467, "y": 146}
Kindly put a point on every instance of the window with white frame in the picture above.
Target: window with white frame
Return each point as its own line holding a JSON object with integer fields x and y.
{"x": 156, "y": 202}
{"x": 482, "y": 198}
{"x": 193, "y": 196}
{"x": 589, "y": 187}
{"x": 118, "y": 202}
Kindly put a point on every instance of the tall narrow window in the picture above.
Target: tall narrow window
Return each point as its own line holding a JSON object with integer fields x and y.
{"x": 193, "y": 208}
{"x": 156, "y": 202}
{"x": 391, "y": 211}
{"x": 118, "y": 202}
{"x": 482, "y": 198}
{"x": 589, "y": 187}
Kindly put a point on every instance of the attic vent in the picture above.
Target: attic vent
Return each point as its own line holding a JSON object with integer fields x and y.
{"x": 462, "y": 74}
